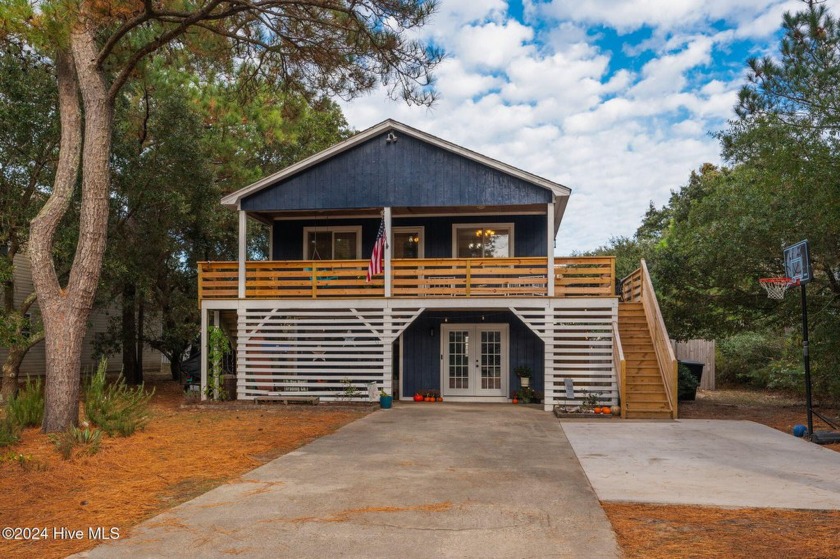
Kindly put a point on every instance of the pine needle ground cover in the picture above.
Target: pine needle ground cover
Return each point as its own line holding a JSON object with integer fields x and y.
{"x": 181, "y": 453}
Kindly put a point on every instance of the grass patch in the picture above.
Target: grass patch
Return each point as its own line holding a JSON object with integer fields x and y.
{"x": 115, "y": 408}
{"x": 26, "y": 408}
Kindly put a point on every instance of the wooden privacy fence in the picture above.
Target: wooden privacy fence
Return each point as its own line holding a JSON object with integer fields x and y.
{"x": 422, "y": 277}
{"x": 702, "y": 351}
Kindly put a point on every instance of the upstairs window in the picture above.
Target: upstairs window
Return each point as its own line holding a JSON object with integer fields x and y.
{"x": 407, "y": 242}
{"x": 482, "y": 240}
{"x": 332, "y": 243}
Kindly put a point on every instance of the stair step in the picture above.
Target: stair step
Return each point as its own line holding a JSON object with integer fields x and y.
{"x": 640, "y": 381}
{"x": 647, "y": 406}
{"x": 648, "y": 415}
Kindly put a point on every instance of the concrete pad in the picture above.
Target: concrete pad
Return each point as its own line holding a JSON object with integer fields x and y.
{"x": 420, "y": 480}
{"x": 705, "y": 462}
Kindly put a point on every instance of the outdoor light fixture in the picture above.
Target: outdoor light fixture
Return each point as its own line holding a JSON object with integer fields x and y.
{"x": 390, "y": 138}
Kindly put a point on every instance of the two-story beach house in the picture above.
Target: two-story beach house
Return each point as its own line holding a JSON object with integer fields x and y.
{"x": 470, "y": 287}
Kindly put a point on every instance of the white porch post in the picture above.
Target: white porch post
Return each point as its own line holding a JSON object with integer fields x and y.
{"x": 387, "y": 271}
{"x": 550, "y": 247}
{"x": 387, "y": 351}
{"x": 204, "y": 326}
{"x": 243, "y": 244}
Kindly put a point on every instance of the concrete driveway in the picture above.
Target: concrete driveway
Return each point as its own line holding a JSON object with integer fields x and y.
{"x": 705, "y": 462}
{"x": 417, "y": 481}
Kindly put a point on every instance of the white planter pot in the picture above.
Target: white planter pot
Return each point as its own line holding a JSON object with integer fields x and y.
{"x": 524, "y": 382}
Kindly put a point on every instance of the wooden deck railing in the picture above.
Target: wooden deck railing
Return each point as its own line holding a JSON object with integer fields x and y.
{"x": 620, "y": 365}
{"x": 638, "y": 287}
{"x": 424, "y": 277}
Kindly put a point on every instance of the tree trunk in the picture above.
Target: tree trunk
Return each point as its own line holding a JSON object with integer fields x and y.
{"x": 65, "y": 311}
{"x": 129, "y": 334}
{"x": 11, "y": 367}
{"x": 141, "y": 318}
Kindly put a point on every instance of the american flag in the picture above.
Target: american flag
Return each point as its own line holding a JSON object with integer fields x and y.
{"x": 375, "y": 264}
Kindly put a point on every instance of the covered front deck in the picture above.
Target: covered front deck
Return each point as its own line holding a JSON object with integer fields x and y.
{"x": 408, "y": 278}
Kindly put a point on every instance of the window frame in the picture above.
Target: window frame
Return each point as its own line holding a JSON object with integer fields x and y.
{"x": 421, "y": 229}
{"x": 332, "y": 230}
{"x": 509, "y": 226}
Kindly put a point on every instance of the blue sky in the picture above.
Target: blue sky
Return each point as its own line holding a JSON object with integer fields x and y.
{"x": 616, "y": 99}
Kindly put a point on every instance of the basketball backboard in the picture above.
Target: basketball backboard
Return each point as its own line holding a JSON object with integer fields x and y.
{"x": 798, "y": 262}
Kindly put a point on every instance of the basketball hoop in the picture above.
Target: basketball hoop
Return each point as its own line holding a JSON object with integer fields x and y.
{"x": 776, "y": 287}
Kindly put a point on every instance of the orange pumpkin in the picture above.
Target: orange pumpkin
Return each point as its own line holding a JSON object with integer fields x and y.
{"x": 516, "y": 400}
{"x": 606, "y": 410}
{"x": 440, "y": 398}
{"x": 597, "y": 409}
{"x": 418, "y": 397}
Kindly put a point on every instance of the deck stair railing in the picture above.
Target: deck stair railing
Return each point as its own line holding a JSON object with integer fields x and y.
{"x": 638, "y": 287}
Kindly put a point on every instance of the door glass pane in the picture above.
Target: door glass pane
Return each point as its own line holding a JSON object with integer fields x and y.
{"x": 483, "y": 242}
{"x": 459, "y": 351}
{"x": 407, "y": 244}
{"x": 319, "y": 245}
{"x": 345, "y": 245}
{"x": 491, "y": 360}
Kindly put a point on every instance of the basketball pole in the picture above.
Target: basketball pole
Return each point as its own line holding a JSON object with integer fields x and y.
{"x": 806, "y": 361}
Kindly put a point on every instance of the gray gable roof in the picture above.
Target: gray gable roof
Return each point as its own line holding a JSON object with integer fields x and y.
{"x": 417, "y": 169}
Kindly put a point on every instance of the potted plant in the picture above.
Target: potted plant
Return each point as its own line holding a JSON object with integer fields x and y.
{"x": 526, "y": 395}
{"x": 385, "y": 400}
{"x": 524, "y": 374}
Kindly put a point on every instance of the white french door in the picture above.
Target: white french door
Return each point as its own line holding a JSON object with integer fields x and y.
{"x": 474, "y": 360}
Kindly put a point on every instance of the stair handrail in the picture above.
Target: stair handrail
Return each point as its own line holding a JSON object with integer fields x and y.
{"x": 620, "y": 365}
{"x": 665, "y": 357}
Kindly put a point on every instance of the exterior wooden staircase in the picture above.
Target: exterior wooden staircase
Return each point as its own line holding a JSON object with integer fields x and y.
{"x": 647, "y": 366}
{"x": 645, "y": 396}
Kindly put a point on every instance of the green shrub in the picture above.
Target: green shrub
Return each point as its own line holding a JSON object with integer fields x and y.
{"x": 9, "y": 432}
{"x": 747, "y": 358}
{"x": 115, "y": 408}
{"x": 26, "y": 409}
{"x": 88, "y": 439}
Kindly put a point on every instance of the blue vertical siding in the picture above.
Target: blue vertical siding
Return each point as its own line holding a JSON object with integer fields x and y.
{"x": 288, "y": 235}
{"x": 529, "y": 237}
{"x": 410, "y": 172}
{"x": 421, "y": 352}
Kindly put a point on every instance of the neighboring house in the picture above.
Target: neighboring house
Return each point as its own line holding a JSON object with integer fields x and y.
{"x": 470, "y": 289}
{"x": 34, "y": 364}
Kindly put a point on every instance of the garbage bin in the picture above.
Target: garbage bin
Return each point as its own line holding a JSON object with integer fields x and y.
{"x": 696, "y": 369}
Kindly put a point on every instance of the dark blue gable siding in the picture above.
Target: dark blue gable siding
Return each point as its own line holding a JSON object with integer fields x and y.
{"x": 421, "y": 352}
{"x": 409, "y": 172}
{"x": 529, "y": 233}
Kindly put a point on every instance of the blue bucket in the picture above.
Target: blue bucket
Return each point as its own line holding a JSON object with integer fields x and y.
{"x": 385, "y": 402}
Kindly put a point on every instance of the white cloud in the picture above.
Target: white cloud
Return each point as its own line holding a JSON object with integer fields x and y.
{"x": 629, "y": 15}
{"x": 492, "y": 45}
